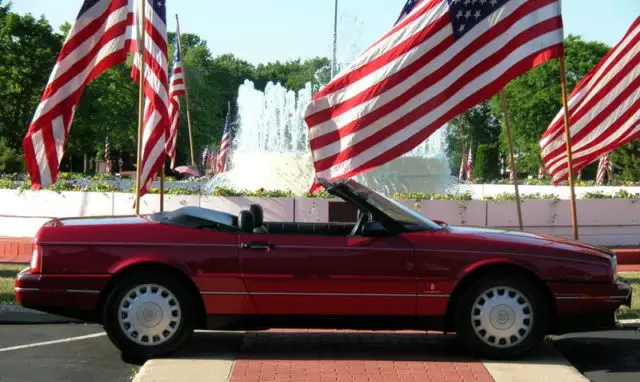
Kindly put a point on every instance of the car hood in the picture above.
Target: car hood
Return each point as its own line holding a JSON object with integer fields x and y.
{"x": 531, "y": 240}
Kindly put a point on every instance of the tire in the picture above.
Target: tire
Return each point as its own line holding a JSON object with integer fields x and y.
{"x": 154, "y": 305}
{"x": 510, "y": 309}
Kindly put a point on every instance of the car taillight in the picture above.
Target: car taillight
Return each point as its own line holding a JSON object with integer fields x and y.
{"x": 36, "y": 259}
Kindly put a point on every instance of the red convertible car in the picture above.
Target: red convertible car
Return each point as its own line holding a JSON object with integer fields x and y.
{"x": 151, "y": 280}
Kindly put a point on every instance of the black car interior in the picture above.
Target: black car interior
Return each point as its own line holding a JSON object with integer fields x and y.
{"x": 251, "y": 221}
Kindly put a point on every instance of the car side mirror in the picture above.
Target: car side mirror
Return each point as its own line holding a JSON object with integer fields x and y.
{"x": 374, "y": 229}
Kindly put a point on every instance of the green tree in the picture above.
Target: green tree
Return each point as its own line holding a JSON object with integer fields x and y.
{"x": 28, "y": 50}
{"x": 626, "y": 161}
{"x": 534, "y": 99}
{"x": 486, "y": 168}
{"x": 474, "y": 127}
{"x": 10, "y": 159}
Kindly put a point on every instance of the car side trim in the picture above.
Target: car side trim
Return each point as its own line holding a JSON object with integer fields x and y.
{"x": 114, "y": 244}
{"x": 327, "y": 294}
{"x": 591, "y": 297}
{"x": 452, "y": 251}
{"x": 83, "y": 291}
{"x": 17, "y": 289}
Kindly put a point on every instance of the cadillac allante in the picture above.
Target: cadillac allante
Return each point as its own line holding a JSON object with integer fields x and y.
{"x": 152, "y": 280}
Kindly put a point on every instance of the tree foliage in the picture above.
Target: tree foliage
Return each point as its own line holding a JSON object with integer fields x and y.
{"x": 28, "y": 50}
{"x": 487, "y": 168}
{"x": 534, "y": 99}
{"x": 474, "y": 127}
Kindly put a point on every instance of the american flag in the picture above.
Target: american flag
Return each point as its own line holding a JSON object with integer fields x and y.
{"x": 542, "y": 172}
{"x": 442, "y": 58}
{"x": 225, "y": 144}
{"x": 107, "y": 155}
{"x": 605, "y": 168}
{"x": 98, "y": 40}
{"x": 176, "y": 89}
{"x": 156, "y": 109}
{"x": 205, "y": 157}
{"x": 469, "y": 167}
{"x": 463, "y": 167}
{"x": 604, "y": 110}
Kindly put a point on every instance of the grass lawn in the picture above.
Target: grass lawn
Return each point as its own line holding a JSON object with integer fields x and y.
{"x": 7, "y": 275}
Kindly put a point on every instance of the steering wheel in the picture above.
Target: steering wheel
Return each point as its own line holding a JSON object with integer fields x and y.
{"x": 362, "y": 218}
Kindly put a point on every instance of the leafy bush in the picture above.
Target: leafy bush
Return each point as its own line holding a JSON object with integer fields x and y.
{"x": 537, "y": 196}
{"x": 487, "y": 166}
{"x": 434, "y": 196}
{"x": 10, "y": 159}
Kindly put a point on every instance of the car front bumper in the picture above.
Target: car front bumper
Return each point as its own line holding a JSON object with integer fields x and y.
{"x": 592, "y": 310}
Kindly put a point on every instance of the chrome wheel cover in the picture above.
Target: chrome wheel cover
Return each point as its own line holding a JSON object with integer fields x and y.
{"x": 149, "y": 315}
{"x": 502, "y": 317}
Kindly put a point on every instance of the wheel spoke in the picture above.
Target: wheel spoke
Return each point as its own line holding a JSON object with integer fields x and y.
{"x": 502, "y": 316}
{"x": 149, "y": 314}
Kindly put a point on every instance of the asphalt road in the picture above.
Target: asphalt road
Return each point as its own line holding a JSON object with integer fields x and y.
{"x": 90, "y": 358}
{"x": 603, "y": 356}
{"x": 79, "y": 352}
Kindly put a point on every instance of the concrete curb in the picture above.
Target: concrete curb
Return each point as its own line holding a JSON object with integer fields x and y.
{"x": 546, "y": 364}
{"x": 15, "y": 314}
{"x": 630, "y": 324}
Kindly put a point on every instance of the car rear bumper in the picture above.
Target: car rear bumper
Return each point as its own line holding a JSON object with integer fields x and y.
{"x": 74, "y": 296}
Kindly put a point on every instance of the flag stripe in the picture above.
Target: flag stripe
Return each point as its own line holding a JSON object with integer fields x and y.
{"x": 454, "y": 63}
{"x": 434, "y": 64}
{"x": 443, "y": 92}
{"x": 603, "y": 110}
{"x": 405, "y": 140}
{"x": 97, "y": 41}
{"x": 156, "y": 122}
{"x": 400, "y": 40}
{"x": 591, "y": 96}
{"x": 615, "y": 101}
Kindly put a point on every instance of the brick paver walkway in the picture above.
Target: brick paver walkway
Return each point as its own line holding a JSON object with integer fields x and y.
{"x": 304, "y": 355}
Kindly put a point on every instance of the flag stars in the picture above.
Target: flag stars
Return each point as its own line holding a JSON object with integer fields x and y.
{"x": 460, "y": 14}
{"x": 478, "y": 14}
{"x": 467, "y": 15}
{"x": 461, "y": 29}
{"x": 493, "y": 2}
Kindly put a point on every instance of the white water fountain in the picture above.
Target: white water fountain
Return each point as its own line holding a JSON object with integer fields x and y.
{"x": 270, "y": 150}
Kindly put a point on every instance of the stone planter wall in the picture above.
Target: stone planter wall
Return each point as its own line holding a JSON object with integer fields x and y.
{"x": 603, "y": 221}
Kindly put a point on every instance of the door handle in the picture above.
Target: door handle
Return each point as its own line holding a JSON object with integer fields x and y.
{"x": 258, "y": 246}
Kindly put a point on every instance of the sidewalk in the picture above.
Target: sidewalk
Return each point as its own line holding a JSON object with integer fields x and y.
{"x": 305, "y": 355}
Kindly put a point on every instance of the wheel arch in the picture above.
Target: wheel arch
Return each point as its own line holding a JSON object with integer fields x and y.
{"x": 482, "y": 270}
{"x": 125, "y": 271}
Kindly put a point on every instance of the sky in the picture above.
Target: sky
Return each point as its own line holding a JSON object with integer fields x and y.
{"x": 261, "y": 31}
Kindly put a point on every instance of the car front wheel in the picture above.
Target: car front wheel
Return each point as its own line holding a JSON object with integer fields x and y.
{"x": 149, "y": 315}
{"x": 502, "y": 317}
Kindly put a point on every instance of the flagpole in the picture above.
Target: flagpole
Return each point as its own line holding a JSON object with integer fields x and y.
{"x": 335, "y": 41}
{"x": 512, "y": 161}
{"x": 567, "y": 131}
{"x": 141, "y": 52}
{"x": 186, "y": 92}
{"x": 162, "y": 186}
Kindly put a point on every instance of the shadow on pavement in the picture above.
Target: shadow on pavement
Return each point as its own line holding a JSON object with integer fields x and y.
{"x": 323, "y": 345}
{"x": 603, "y": 356}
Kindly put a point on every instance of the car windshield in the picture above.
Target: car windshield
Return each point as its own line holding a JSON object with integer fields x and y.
{"x": 412, "y": 220}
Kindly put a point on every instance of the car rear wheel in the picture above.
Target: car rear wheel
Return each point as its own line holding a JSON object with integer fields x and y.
{"x": 149, "y": 315}
{"x": 502, "y": 317}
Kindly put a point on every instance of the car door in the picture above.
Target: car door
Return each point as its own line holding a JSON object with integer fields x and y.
{"x": 329, "y": 275}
